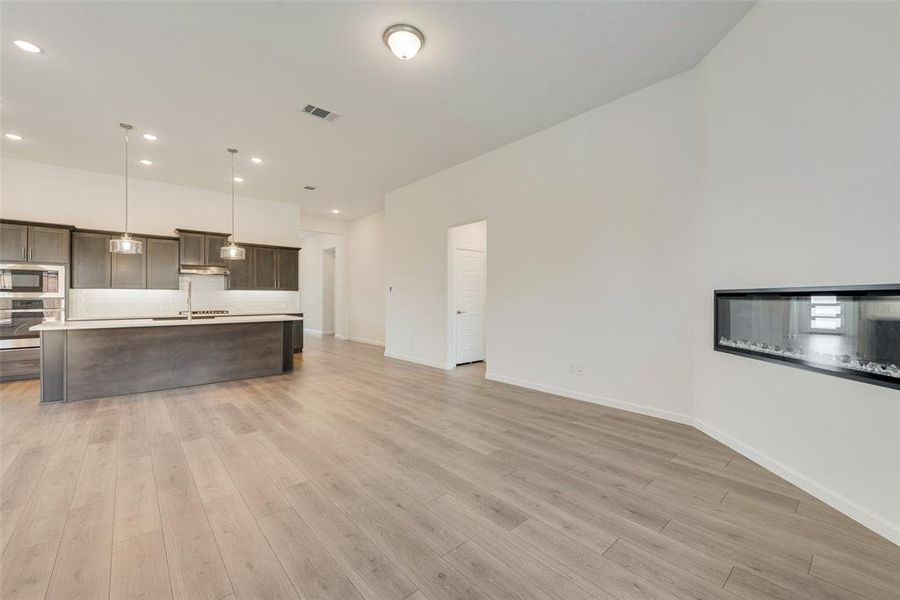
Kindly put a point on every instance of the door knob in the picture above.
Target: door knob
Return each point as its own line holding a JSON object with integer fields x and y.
{"x": 459, "y": 312}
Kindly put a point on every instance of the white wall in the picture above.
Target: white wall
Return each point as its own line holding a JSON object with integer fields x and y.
{"x": 589, "y": 236}
{"x": 471, "y": 236}
{"x": 775, "y": 162}
{"x": 365, "y": 246}
{"x": 312, "y": 281}
{"x": 40, "y": 192}
{"x": 310, "y": 224}
{"x": 802, "y": 127}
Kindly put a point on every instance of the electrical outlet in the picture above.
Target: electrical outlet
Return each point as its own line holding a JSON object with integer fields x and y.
{"x": 576, "y": 368}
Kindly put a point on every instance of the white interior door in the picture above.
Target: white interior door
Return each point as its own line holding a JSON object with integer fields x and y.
{"x": 469, "y": 292}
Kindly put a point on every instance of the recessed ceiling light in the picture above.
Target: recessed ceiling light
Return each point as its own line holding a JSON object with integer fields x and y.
{"x": 405, "y": 41}
{"x": 27, "y": 46}
{"x": 239, "y": 180}
{"x": 146, "y": 162}
{"x": 335, "y": 211}
{"x": 150, "y": 137}
{"x": 256, "y": 160}
{"x": 13, "y": 136}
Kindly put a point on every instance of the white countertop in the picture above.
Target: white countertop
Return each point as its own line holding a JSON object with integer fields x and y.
{"x": 123, "y": 323}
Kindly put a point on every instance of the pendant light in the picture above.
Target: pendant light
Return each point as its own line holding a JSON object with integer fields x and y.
{"x": 126, "y": 244}
{"x": 232, "y": 251}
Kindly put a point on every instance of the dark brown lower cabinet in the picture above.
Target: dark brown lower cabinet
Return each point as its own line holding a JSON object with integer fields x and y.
{"x": 297, "y": 331}
{"x": 20, "y": 363}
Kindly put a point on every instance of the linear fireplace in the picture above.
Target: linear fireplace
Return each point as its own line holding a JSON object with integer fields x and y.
{"x": 849, "y": 331}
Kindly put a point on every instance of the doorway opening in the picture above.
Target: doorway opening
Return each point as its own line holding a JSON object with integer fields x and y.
{"x": 467, "y": 293}
{"x": 328, "y": 258}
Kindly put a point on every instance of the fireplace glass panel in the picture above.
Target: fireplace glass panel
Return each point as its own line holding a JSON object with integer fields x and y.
{"x": 851, "y": 332}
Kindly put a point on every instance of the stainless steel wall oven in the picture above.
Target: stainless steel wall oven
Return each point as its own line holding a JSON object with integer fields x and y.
{"x": 30, "y": 294}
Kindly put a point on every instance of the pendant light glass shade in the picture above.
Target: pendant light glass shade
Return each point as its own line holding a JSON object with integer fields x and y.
{"x": 126, "y": 244}
{"x": 232, "y": 251}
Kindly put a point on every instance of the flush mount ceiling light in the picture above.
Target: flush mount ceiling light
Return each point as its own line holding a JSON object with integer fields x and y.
{"x": 27, "y": 46}
{"x": 335, "y": 211}
{"x": 238, "y": 179}
{"x": 150, "y": 137}
{"x": 146, "y": 162}
{"x": 256, "y": 160}
{"x": 232, "y": 251}
{"x": 405, "y": 41}
{"x": 126, "y": 244}
{"x": 13, "y": 136}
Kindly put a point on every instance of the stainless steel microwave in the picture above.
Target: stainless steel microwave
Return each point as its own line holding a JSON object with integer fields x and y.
{"x": 27, "y": 280}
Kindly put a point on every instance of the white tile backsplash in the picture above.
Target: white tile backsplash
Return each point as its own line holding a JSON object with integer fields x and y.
{"x": 209, "y": 293}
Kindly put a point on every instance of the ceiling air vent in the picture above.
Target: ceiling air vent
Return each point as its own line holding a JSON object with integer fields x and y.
{"x": 317, "y": 111}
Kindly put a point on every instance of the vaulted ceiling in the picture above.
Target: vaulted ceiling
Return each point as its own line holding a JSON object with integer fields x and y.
{"x": 207, "y": 75}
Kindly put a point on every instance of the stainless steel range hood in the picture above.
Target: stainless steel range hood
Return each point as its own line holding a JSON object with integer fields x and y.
{"x": 204, "y": 270}
{"x": 197, "y": 249}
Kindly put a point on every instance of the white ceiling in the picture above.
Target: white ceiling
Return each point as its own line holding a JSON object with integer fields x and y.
{"x": 207, "y": 75}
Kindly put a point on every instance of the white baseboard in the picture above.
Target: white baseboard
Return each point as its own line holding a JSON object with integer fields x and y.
{"x": 365, "y": 341}
{"x": 418, "y": 361}
{"x": 840, "y": 503}
{"x": 320, "y": 333}
{"x": 629, "y": 406}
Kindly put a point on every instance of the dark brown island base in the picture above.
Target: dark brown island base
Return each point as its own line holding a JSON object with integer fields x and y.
{"x": 96, "y": 359}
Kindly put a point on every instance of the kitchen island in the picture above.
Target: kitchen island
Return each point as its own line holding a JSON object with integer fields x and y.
{"x": 97, "y": 359}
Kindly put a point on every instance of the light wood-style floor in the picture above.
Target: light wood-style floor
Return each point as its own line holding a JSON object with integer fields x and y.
{"x": 361, "y": 477}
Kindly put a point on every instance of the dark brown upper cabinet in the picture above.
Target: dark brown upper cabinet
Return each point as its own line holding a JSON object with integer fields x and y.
{"x": 13, "y": 242}
{"x": 288, "y": 275}
{"x": 212, "y": 245}
{"x": 34, "y": 243}
{"x": 193, "y": 248}
{"x": 48, "y": 244}
{"x": 264, "y": 268}
{"x": 94, "y": 266}
{"x": 200, "y": 248}
{"x": 91, "y": 260}
{"x": 240, "y": 272}
{"x": 162, "y": 264}
{"x": 129, "y": 271}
